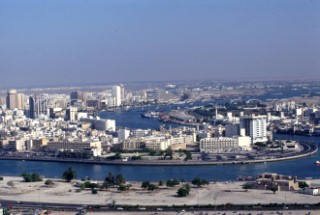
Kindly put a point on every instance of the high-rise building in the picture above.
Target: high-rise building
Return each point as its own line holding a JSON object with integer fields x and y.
{"x": 37, "y": 106}
{"x": 232, "y": 129}
{"x": 123, "y": 134}
{"x": 14, "y": 100}
{"x": 71, "y": 113}
{"x": 116, "y": 93}
{"x": 255, "y": 127}
{"x": 78, "y": 95}
{"x": 122, "y": 92}
{"x": 32, "y": 106}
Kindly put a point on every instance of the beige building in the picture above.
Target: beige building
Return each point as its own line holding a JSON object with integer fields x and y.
{"x": 133, "y": 144}
{"x": 14, "y": 100}
{"x": 221, "y": 144}
{"x": 280, "y": 182}
{"x": 73, "y": 146}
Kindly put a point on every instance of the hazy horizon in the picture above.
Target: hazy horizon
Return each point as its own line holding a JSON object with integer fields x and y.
{"x": 58, "y": 43}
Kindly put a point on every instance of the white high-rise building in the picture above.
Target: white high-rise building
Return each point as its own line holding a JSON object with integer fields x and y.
{"x": 255, "y": 127}
{"x": 123, "y": 134}
{"x": 116, "y": 93}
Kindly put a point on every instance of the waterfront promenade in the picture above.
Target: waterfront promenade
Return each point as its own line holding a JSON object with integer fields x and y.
{"x": 308, "y": 149}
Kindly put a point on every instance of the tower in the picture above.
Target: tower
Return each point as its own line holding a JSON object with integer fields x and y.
{"x": 116, "y": 93}
{"x": 32, "y": 107}
{"x": 255, "y": 127}
{"x": 14, "y": 100}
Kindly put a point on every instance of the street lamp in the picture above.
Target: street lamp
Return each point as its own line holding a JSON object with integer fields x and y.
{"x": 215, "y": 196}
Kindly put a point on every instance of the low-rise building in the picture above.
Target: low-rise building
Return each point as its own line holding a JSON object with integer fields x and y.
{"x": 267, "y": 181}
{"x": 220, "y": 144}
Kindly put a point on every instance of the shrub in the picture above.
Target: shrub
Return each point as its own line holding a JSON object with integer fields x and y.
{"x": 31, "y": 177}
{"x": 199, "y": 182}
{"x": 88, "y": 184}
{"x": 10, "y": 183}
{"x": 94, "y": 191}
{"x": 69, "y": 174}
{"x": 124, "y": 187}
{"x": 172, "y": 182}
{"x": 152, "y": 187}
{"x": 49, "y": 182}
{"x": 1, "y": 178}
{"x": 120, "y": 180}
{"x": 247, "y": 186}
{"x": 145, "y": 184}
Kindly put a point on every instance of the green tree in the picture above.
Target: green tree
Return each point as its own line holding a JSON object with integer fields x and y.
{"x": 152, "y": 152}
{"x": 188, "y": 155}
{"x": 117, "y": 156}
{"x": 120, "y": 180}
{"x": 273, "y": 188}
{"x": 69, "y": 174}
{"x": 109, "y": 179}
{"x": 184, "y": 190}
{"x": 168, "y": 153}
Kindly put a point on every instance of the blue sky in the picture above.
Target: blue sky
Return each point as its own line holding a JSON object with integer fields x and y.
{"x": 59, "y": 42}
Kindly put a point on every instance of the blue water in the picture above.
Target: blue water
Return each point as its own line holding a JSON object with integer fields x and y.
{"x": 132, "y": 119}
{"x": 302, "y": 168}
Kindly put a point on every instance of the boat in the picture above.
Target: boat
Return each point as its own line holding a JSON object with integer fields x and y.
{"x": 317, "y": 163}
{"x": 151, "y": 114}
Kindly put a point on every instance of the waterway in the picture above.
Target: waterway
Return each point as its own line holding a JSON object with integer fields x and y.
{"x": 303, "y": 167}
{"x": 132, "y": 118}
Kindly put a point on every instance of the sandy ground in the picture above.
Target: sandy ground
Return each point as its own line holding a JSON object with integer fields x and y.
{"x": 218, "y": 193}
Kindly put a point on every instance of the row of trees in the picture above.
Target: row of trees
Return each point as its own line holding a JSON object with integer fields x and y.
{"x": 118, "y": 181}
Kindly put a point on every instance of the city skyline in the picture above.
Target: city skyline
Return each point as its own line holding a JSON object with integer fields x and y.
{"x": 58, "y": 43}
